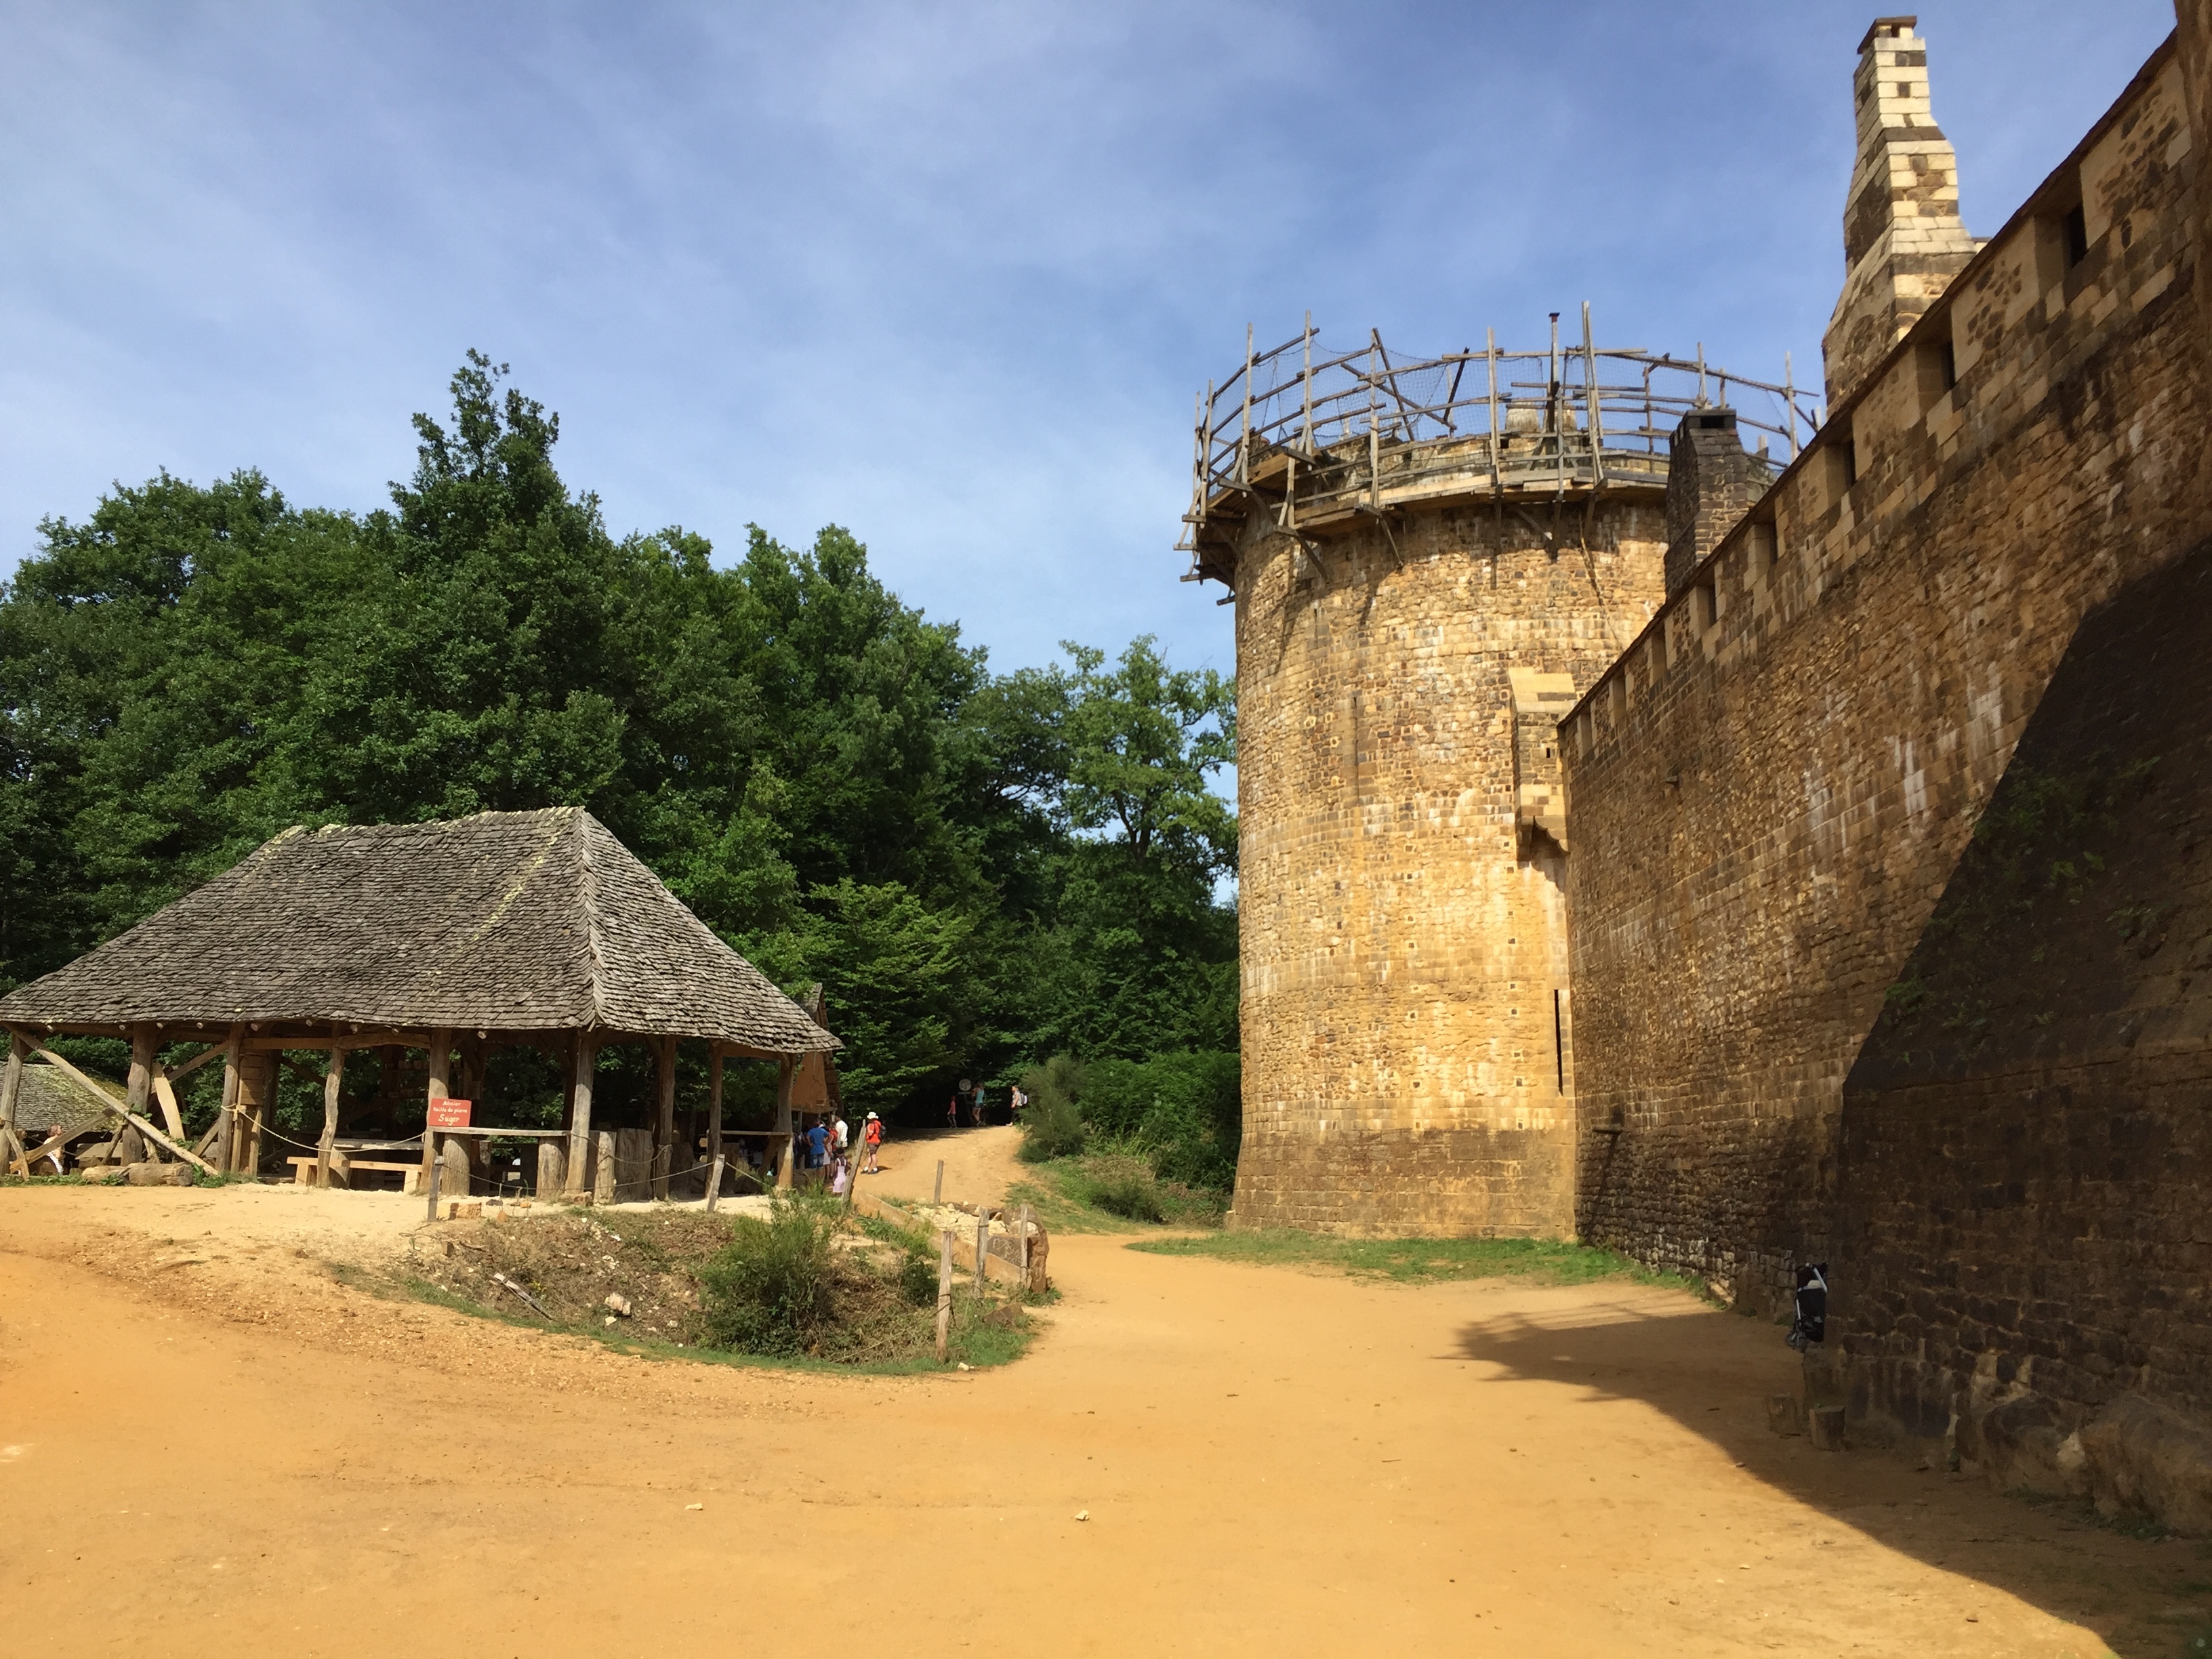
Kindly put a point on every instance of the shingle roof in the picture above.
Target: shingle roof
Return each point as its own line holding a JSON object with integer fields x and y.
{"x": 516, "y": 921}
{"x": 45, "y": 1101}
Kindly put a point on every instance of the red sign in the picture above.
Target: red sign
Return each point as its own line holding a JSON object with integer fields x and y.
{"x": 450, "y": 1114}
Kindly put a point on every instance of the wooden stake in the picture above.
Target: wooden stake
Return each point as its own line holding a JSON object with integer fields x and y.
{"x": 432, "y": 1183}
{"x": 603, "y": 1177}
{"x": 664, "y": 1133}
{"x": 944, "y": 1292}
{"x": 936, "y": 1193}
{"x": 714, "y": 1185}
{"x": 333, "y": 1078}
{"x": 579, "y": 1111}
{"x": 983, "y": 1246}
{"x": 1025, "y": 1246}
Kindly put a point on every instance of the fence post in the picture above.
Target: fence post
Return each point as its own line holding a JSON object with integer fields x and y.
{"x": 714, "y": 1185}
{"x": 982, "y": 1245}
{"x": 944, "y": 1291}
{"x": 936, "y": 1193}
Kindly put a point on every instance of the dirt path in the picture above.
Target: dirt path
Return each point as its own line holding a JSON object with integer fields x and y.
{"x": 234, "y": 1453}
{"x": 979, "y": 1164}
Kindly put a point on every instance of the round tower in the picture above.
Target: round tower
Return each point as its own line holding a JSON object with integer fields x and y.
{"x": 1431, "y": 562}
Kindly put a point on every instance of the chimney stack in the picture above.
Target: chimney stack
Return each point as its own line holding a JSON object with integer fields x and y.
{"x": 1903, "y": 238}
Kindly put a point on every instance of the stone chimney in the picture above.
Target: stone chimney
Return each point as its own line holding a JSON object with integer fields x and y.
{"x": 1711, "y": 483}
{"x": 1903, "y": 238}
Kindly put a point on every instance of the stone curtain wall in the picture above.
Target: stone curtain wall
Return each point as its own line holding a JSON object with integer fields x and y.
{"x": 1768, "y": 792}
{"x": 1401, "y": 931}
{"x": 2024, "y": 1259}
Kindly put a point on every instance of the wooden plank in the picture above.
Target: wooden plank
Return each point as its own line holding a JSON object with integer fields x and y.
{"x": 107, "y": 1105}
{"x": 172, "y": 1114}
{"x": 213, "y": 1051}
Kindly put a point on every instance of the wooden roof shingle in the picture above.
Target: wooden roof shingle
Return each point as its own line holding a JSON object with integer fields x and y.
{"x": 537, "y": 920}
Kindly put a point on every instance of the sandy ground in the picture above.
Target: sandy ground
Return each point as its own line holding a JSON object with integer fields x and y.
{"x": 209, "y": 1443}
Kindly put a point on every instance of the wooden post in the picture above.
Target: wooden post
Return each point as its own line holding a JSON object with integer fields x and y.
{"x": 586, "y": 1054}
{"x": 441, "y": 1059}
{"x": 11, "y": 1086}
{"x": 140, "y": 1087}
{"x": 603, "y": 1177}
{"x": 432, "y": 1183}
{"x": 11, "y": 1080}
{"x": 982, "y": 1245}
{"x": 715, "y": 1106}
{"x": 257, "y": 1083}
{"x": 228, "y": 1142}
{"x": 714, "y": 1184}
{"x": 783, "y": 1072}
{"x": 936, "y": 1193}
{"x": 664, "y": 1129}
{"x": 1025, "y": 1246}
{"x": 944, "y": 1292}
{"x": 333, "y": 1078}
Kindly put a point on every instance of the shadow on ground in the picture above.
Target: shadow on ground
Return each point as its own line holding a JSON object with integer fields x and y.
{"x": 2147, "y": 1598}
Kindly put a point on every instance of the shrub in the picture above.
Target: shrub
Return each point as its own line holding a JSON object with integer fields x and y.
{"x": 917, "y": 1279}
{"x": 769, "y": 1290}
{"x": 1122, "y": 1185}
{"x": 1052, "y": 1125}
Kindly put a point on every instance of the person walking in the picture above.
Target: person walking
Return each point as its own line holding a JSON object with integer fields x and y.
{"x": 952, "y": 1113}
{"x": 871, "y": 1136}
{"x": 817, "y": 1144}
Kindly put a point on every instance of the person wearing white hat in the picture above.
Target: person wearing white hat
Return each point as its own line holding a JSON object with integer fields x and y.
{"x": 871, "y": 1136}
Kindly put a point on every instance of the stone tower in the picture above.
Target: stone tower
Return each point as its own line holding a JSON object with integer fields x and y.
{"x": 1903, "y": 238}
{"x": 1430, "y": 562}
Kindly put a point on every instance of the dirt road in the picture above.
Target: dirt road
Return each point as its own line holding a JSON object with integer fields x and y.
{"x": 209, "y": 1444}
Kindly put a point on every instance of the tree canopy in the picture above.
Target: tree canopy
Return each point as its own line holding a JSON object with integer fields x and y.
{"x": 982, "y": 869}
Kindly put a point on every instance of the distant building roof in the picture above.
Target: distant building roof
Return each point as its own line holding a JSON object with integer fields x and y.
{"x": 520, "y": 921}
{"x": 47, "y": 1101}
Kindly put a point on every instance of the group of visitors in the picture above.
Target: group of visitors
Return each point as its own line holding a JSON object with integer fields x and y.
{"x": 969, "y": 1097}
{"x": 826, "y": 1145}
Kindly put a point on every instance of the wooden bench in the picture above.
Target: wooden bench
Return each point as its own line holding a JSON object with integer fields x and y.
{"x": 303, "y": 1169}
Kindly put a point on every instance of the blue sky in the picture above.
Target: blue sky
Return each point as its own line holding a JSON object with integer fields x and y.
{"x": 948, "y": 275}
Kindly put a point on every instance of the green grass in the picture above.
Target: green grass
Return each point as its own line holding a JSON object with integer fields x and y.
{"x": 1418, "y": 1261}
{"x": 1090, "y": 1194}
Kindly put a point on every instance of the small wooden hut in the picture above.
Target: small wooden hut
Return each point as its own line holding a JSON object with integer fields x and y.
{"x": 455, "y": 939}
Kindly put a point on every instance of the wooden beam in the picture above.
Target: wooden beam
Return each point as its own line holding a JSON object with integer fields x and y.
{"x": 213, "y": 1051}
{"x": 107, "y": 1103}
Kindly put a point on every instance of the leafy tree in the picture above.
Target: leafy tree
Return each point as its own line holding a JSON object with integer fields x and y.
{"x": 982, "y": 869}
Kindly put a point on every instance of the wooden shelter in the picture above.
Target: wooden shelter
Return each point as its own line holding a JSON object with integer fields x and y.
{"x": 455, "y": 939}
